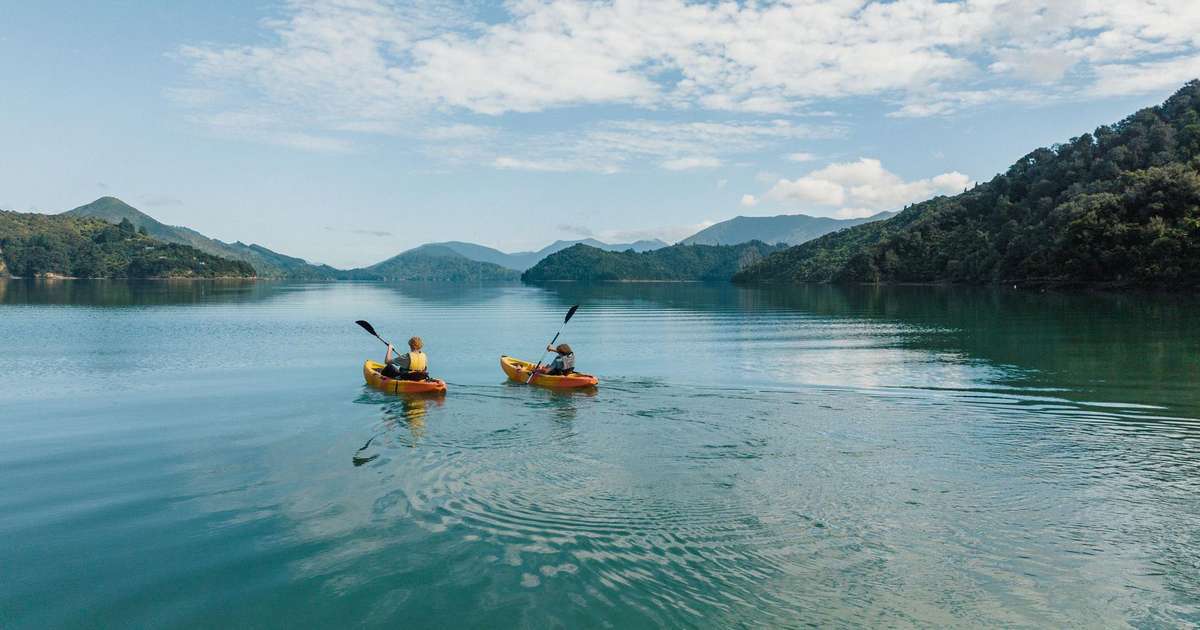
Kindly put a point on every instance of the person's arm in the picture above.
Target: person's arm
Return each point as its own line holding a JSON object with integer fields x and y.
{"x": 388, "y": 358}
{"x": 550, "y": 348}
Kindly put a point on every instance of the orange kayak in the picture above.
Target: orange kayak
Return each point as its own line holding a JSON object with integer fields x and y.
{"x": 396, "y": 386}
{"x": 518, "y": 370}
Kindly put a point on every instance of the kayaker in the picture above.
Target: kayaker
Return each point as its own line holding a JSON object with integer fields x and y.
{"x": 410, "y": 366}
{"x": 564, "y": 360}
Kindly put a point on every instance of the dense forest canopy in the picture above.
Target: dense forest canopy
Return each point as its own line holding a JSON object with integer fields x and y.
{"x": 1121, "y": 205}
{"x": 33, "y": 245}
{"x": 582, "y": 263}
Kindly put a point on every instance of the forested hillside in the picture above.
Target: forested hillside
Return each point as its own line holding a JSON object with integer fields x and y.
{"x": 1120, "y": 206}
{"x": 431, "y": 263}
{"x": 266, "y": 263}
{"x": 582, "y": 263}
{"x": 33, "y": 245}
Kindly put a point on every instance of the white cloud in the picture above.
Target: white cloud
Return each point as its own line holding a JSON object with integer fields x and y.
{"x": 612, "y": 146}
{"x": 809, "y": 190}
{"x": 689, "y": 163}
{"x": 548, "y": 166}
{"x": 940, "y": 103}
{"x": 863, "y": 188}
{"x": 800, "y": 157}
{"x": 458, "y": 131}
{"x": 749, "y": 201}
{"x": 1139, "y": 78}
{"x": 383, "y": 66}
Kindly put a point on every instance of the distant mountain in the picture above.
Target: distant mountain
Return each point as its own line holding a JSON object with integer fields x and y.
{"x": 40, "y": 245}
{"x": 266, "y": 262}
{"x": 521, "y": 261}
{"x": 431, "y": 263}
{"x": 791, "y": 229}
{"x": 1120, "y": 206}
{"x": 582, "y": 263}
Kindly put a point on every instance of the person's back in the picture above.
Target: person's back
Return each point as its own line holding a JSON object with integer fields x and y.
{"x": 410, "y": 366}
{"x": 564, "y": 361}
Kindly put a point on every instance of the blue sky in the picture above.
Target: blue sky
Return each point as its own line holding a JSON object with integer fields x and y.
{"x": 344, "y": 131}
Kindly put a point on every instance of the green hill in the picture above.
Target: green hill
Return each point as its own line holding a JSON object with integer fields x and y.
{"x": 583, "y": 263}
{"x": 791, "y": 229}
{"x": 266, "y": 262}
{"x": 1117, "y": 206}
{"x": 431, "y": 263}
{"x": 521, "y": 261}
{"x": 35, "y": 245}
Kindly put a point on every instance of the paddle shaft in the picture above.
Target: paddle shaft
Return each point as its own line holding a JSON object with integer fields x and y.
{"x": 544, "y": 353}
{"x": 383, "y": 340}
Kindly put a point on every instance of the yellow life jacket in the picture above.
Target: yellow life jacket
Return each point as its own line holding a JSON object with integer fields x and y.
{"x": 416, "y": 361}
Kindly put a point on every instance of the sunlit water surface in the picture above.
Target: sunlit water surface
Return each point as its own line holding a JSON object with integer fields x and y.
{"x": 205, "y": 454}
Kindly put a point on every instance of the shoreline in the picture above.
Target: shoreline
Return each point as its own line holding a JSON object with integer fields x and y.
{"x": 57, "y": 277}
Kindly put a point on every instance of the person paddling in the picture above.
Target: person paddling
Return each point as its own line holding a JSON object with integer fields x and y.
{"x": 564, "y": 361}
{"x": 410, "y": 366}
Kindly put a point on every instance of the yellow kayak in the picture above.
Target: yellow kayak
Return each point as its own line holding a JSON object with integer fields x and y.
{"x": 518, "y": 370}
{"x": 371, "y": 372}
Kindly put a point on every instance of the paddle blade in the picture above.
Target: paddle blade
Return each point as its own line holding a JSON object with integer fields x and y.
{"x": 570, "y": 313}
{"x": 367, "y": 326}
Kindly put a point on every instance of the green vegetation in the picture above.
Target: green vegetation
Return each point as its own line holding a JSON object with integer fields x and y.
{"x": 431, "y": 263}
{"x": 266, "y": 263}
{"x": 582, "y": 263}
{"x": 33, "y": 245}
{"x": 1120, "y": 206}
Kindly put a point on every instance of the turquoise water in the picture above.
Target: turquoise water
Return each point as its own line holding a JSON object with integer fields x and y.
{"x": 206, "y": 455}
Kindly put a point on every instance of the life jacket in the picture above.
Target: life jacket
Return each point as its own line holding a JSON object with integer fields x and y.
{"x": 563, "y": 364}
{"x": 416, "y": 361}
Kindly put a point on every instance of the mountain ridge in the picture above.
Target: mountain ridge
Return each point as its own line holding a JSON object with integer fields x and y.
{"x": 431, "y": 263}
{"x": 1118, "y": 206}
{"x": 267, "y": 263}
{"x": 792, "y": 229}
{"x": 520, "y": 261}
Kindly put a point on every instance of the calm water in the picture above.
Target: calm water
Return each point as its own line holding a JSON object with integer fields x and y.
{"x": 207, "y": 455}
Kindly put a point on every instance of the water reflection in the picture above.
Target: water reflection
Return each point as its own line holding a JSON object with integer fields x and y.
{"x": 119, "y": 293}
{"x": 399, "y": 411}
{"x": 450, "y": 293}
{"x": 563, "y": 403}
{"x": 1094, "y": 347}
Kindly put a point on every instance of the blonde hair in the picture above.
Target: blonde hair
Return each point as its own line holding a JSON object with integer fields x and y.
{"x": 415, "y": 343}
{"x": 563, "y": 349}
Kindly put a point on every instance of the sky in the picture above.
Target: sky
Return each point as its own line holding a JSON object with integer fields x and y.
{"x": 345, "y": 131}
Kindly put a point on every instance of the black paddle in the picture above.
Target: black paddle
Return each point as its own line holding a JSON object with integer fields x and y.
{"x": 566, "y": 319}
{"x": 371, "y": 329}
